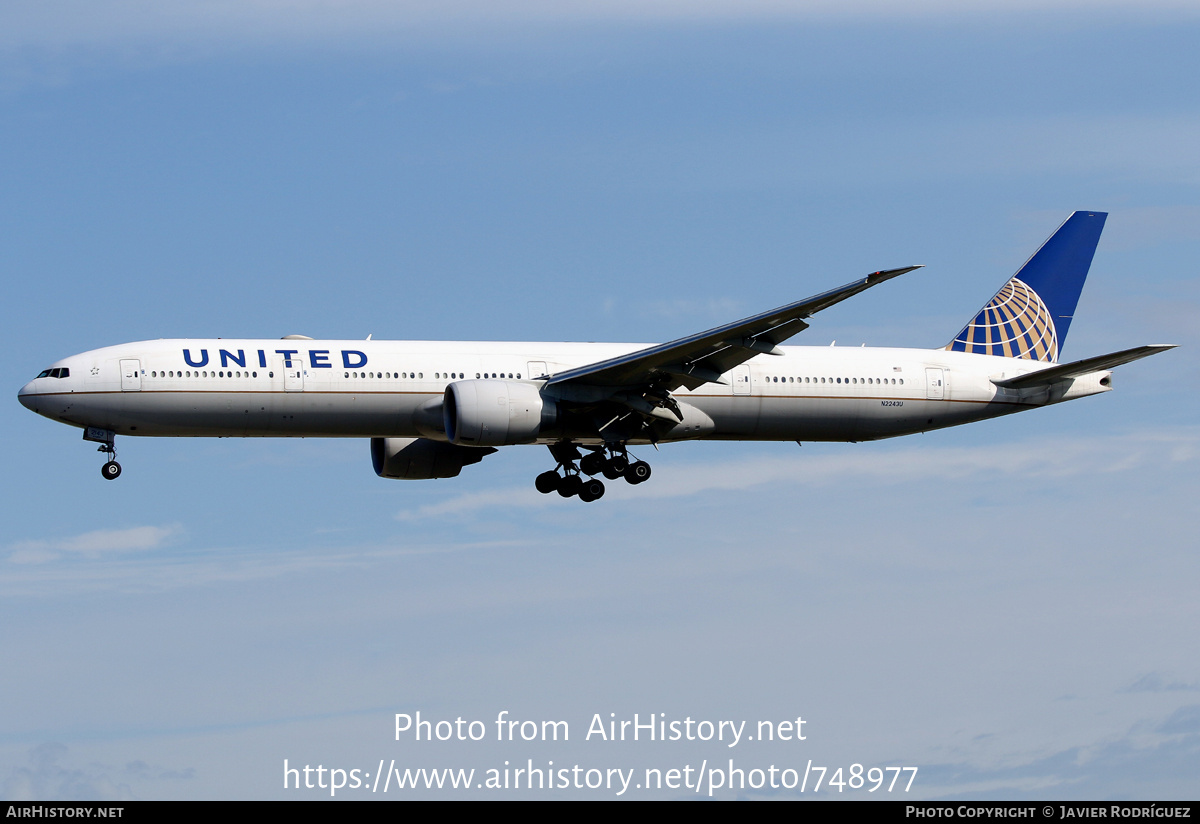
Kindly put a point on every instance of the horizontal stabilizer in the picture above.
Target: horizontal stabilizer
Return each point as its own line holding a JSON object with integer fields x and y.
{"x": 1099, "y": 363}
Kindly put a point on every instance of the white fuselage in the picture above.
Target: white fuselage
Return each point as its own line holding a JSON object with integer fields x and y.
{"x": 322, "y": 388}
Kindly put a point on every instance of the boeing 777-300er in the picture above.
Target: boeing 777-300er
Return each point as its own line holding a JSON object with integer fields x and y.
{"x": 430, "y": 408}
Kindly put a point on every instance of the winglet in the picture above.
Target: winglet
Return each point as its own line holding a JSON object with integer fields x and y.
{"x": 888, "y": 274}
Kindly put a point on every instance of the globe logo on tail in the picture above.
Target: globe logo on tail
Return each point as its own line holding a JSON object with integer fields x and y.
{"x": 1014, "y": 324}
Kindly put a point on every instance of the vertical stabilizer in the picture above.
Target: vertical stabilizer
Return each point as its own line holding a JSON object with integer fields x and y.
{"x": 1029, "y": 317}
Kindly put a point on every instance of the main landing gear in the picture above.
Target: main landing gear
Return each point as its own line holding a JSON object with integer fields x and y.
{"x": 610, "y": 461}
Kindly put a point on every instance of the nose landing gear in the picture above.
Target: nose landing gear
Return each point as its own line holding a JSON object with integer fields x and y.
{"x": 108, "y": 445}
{"x": 611, "y": 461}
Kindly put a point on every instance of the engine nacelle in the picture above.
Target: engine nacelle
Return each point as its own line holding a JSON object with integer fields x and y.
{"x": 419, "y": 459}
{"x": 495, "y": 413}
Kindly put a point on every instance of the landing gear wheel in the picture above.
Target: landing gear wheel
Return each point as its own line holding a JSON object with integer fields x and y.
{"x": 592, "y": 464}
{"x": 591, "y": 491}
{"x": 111, "y": 471}
{"x": 547, "y": 482}
{"x": 615, "y": 467}
{"x": 638, "y": 472}
{"x": 570, "y": 485}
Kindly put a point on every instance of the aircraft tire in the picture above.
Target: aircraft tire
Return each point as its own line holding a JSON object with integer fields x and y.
{"x": 547, "y": 482}
{"x": 592, "y": 464}
{"x": 615, "y": 467}
{"x": 111, "y": 471}
{"x": 592, "y": 490}
{"x": 570, "y": 485}
{"x": 638, "y": 472}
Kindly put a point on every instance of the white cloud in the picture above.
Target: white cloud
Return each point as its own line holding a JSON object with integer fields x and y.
{"x": 48, "y": 778}
{"x": 1034, "y": 458}
{"x": 1159, "y": 755}
{"x": 95, "y": 543}
{"x": 1154, "y": 682}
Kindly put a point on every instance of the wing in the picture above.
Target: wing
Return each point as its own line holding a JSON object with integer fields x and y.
{"x": 702, "y": 358}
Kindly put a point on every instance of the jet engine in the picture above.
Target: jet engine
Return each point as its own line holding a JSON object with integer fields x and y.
{"x": 495, "y": 413}
{"x": 419, "y": 459}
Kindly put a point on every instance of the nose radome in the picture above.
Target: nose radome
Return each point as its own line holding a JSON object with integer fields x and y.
{"x": 28, "y": 397}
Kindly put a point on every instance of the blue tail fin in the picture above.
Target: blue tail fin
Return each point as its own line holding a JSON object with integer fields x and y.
{"x": 1030, "y": 315}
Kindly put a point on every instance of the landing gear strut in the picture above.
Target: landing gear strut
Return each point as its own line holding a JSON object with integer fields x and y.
{"x": 611, "y": 461}
{"x": 571, "y": 482}
{"x": 108, "y": 445}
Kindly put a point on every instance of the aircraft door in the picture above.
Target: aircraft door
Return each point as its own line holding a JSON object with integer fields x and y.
{"x": 935, "y": 387}
{"x": 741, "y": 380}
{"x": 293, "y": 376}
{"x": 537, "y": 369}
{"x": 131, "y": 375}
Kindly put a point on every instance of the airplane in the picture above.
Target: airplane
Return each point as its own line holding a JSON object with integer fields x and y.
{"x": 431, "y": 408}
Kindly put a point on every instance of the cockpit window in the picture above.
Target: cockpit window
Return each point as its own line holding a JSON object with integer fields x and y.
{"x": 60, "y": 372}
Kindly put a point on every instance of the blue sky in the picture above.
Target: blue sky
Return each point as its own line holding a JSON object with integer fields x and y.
{"x": 1009, "y": 607}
